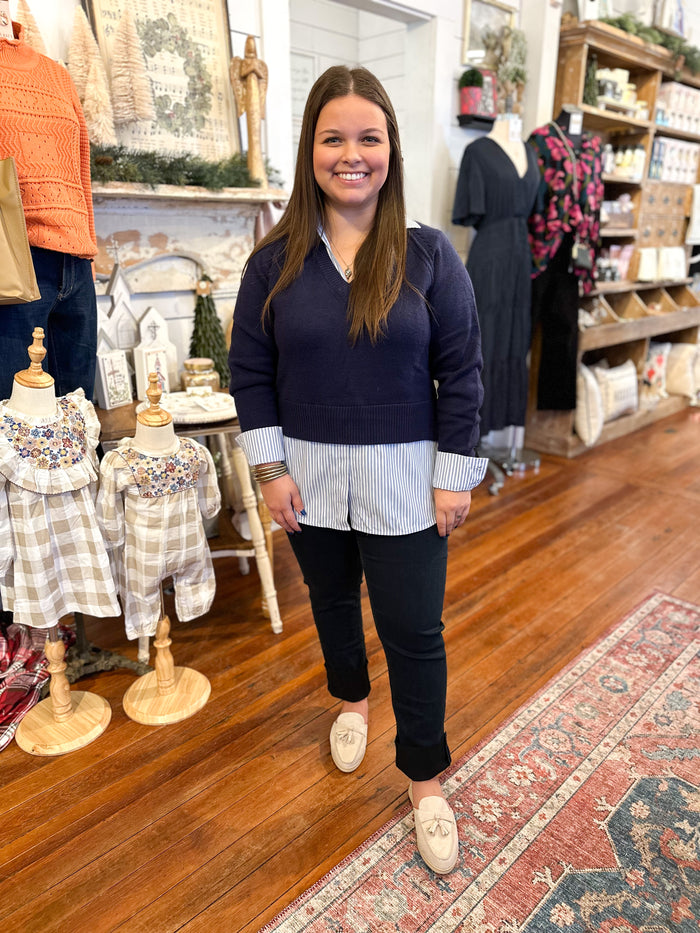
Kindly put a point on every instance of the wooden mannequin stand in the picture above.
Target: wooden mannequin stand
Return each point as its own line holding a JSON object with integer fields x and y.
{"x": 65, "y": 720}
{"x": 167, "y": 694}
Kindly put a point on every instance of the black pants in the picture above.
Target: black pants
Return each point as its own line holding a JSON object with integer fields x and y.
{"x": 555, "y": 307}
{"x": 405, "y": 577}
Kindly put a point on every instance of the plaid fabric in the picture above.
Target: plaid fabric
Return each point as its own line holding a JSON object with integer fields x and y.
{"x": 23, "y": 672}
{"x": 52, "y": 555}
{"x": 150, "y": 511}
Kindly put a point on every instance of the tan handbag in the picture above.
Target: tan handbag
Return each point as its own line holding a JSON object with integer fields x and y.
{"x": 17, "y": 278}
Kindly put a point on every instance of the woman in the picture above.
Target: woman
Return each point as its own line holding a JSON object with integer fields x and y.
{"x": 345, "y": 322}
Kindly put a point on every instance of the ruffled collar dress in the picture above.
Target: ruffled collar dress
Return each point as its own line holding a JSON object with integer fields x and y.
{"x": 150, "y": 510}
{"x": 53, "y": 560}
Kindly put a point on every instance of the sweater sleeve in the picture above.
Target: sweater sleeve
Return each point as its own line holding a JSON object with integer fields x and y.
{"x": 455, "y": 352}
{"x": 84, "y": 166}
{"x": 253, "y": 354}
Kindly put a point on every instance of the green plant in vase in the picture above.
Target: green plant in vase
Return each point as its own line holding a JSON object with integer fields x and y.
{"x": 471, "y": 83}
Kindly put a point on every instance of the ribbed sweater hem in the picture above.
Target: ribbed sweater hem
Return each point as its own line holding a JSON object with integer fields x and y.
{"x": 359, "y": 424}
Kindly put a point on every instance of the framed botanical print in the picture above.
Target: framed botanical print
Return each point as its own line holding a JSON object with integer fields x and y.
{"x": 480, "y": 15}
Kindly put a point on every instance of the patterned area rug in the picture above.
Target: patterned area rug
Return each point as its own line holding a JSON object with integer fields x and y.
{"x": 582, "y": 813}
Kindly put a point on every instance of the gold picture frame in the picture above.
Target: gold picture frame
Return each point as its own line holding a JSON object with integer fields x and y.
{"x": 187, "y": 55}
{"x": 480, "y": 14}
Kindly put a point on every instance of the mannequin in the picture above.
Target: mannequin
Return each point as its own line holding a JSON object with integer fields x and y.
{"x": 153, "y": 487}
{"x": 570, "y": 119}
{"x": 67, "y": 720}
{"x": 496, "y": 189}
{"x": 567, "y": 212}
{"x": 5, "y": 20}
{"x": 506, "y": 132}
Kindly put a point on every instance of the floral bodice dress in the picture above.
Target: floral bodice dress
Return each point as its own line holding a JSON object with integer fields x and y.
{"x": 53, "y": 560}
{"x": 150, "y": 511}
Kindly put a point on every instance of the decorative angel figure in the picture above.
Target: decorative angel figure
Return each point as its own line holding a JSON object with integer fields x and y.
{"x": 249, "y": 80}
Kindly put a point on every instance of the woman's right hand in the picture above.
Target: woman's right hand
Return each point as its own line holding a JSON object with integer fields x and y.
{"x": 282, "y": 499}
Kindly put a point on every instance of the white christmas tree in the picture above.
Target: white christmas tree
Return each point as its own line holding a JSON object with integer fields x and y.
{"x": 97, "y": 107}
{"x": 132, "y": 94}
{"x": 81, "y": 51}
{"x": 32, "y": 36}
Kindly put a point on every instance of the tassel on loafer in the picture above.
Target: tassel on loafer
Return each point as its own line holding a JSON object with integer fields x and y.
{"x": 436, "y": 833}
{"x": 348, "y": 741}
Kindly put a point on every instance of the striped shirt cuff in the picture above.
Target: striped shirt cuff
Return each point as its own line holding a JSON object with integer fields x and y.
{"x": 262, "y": 445}
{"x": 458, "y": 473}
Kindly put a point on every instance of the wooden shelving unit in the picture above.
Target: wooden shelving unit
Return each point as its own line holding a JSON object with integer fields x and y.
{"x": 631, "y": 313}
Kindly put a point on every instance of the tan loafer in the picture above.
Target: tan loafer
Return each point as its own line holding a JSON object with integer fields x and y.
{"x": 436, "y": 833}
{"x": 348, "y": 741}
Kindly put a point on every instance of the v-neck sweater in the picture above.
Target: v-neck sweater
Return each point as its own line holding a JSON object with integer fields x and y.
{"x": 301, "y": 372}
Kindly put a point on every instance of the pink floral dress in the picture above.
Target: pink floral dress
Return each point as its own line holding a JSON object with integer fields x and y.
{"x": 563, "y": 206}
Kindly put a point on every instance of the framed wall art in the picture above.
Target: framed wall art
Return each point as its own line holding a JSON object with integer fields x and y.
{"x": 480, "y": 15}
{"x": 113, "y": 379}
{"x": 187, "y": 55}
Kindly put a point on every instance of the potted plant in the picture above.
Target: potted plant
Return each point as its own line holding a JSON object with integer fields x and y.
{"x": 471, "y": 83}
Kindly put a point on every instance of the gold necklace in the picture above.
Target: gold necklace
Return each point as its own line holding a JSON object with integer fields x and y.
{"x": 347, "y": 272}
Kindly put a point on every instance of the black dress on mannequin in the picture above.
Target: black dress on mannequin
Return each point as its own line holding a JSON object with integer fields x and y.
{"x": 494, "y": 199}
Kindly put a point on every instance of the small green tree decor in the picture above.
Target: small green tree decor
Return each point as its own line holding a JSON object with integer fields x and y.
{"x": 208, "y": 336}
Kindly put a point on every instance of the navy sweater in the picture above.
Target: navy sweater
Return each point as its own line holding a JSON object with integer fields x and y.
{"x": 301, "y": 371}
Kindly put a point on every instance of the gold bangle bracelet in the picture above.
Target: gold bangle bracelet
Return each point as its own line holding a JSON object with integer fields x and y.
{"x": 265, "y": 473}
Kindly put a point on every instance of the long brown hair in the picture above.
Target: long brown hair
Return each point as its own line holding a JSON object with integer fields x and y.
{"x": 380, "y": 263}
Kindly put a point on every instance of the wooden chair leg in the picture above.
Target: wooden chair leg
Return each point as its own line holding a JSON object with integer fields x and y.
{"x": 262, "y": 557}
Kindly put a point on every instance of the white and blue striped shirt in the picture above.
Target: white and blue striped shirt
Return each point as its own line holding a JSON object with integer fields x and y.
{"x": 384, "y": 489}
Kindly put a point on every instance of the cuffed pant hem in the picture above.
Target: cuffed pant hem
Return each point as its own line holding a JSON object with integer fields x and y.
{"x": 423, "y": 763}
{"x": 352, "y": 686}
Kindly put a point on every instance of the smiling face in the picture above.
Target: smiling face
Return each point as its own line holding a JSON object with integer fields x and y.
{"x": 351, "y": 153}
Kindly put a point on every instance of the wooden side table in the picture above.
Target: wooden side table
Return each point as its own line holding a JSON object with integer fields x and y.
{"x": 117, "y": 423}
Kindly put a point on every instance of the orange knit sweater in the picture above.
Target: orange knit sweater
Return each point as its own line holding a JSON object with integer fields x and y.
{"x": 43, "y": 128}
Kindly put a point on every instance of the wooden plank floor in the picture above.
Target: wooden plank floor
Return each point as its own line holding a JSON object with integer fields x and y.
{"x": 218, "y": 822}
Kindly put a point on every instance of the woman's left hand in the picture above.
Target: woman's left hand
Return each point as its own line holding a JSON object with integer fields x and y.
{"x": 451, "y": 509}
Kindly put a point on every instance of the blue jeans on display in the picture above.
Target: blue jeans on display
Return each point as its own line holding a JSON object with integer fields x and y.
{"x": 67, "y": 310}
{"x": 405, "y": 577}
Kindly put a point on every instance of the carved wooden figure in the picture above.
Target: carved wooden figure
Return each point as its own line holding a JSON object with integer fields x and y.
{"x": 249, "y": 80}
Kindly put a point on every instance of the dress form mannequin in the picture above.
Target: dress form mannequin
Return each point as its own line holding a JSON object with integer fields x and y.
{"x": 565, "y": 214}
{"x": 496, "y": 188}
{"x": 67, "y": 719}
{"x": 33, "y": 390}
{"x": 506, "y": 132}
{"x": 570, "y": 119}
{"x": 512, "y": 456}
{"x": 167, "y": 694}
